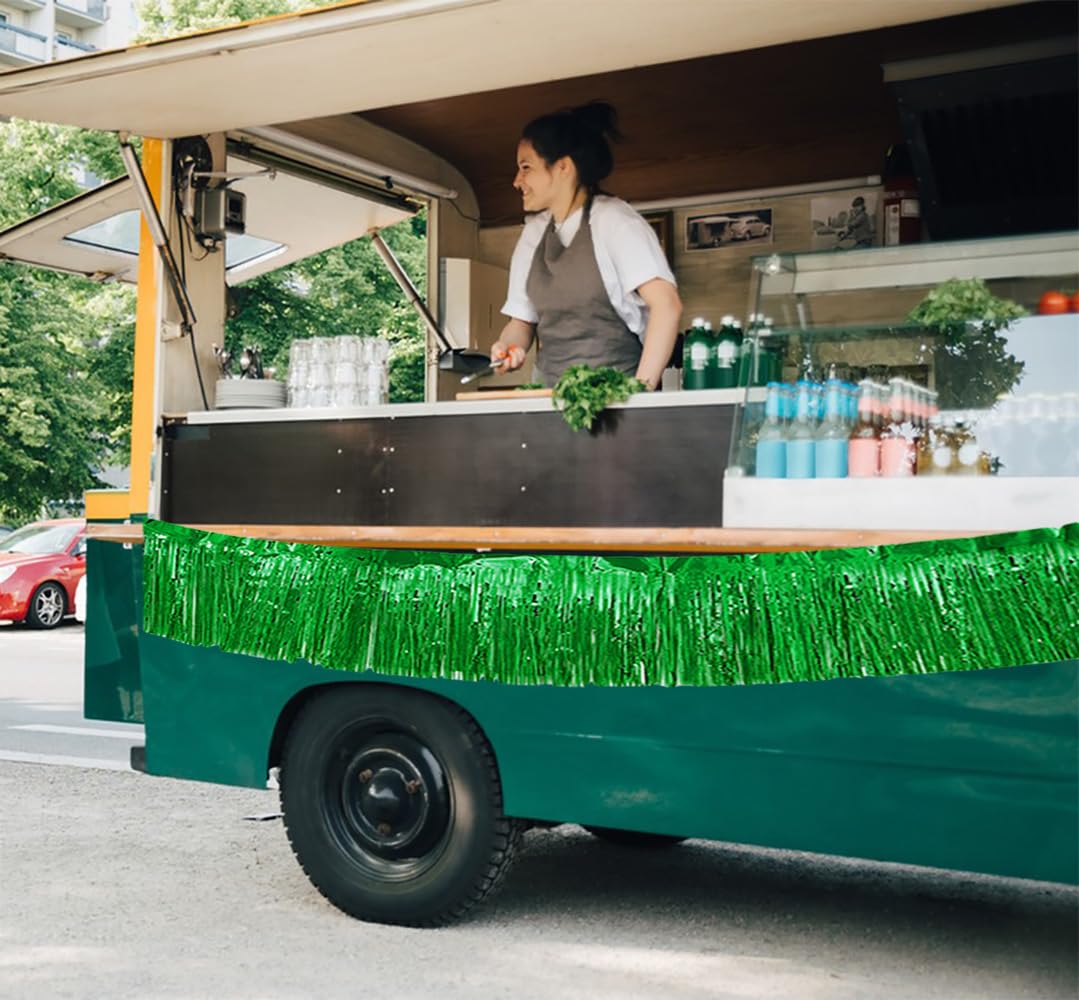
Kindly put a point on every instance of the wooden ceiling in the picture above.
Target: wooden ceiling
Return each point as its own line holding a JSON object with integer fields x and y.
{"x": 789, "y": 114}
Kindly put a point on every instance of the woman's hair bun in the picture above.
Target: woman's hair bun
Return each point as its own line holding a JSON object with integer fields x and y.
{"x": 598, "y": 117}
{"x": 583, "y": 134}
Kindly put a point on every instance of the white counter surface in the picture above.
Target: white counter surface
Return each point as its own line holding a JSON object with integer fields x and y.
{"x": 457, "y": 408}
{"x": 945, "y": 503}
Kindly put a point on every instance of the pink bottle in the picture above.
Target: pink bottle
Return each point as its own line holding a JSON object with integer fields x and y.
{"x": 863, "y": 452}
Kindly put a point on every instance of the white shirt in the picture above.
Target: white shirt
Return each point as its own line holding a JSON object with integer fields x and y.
{"x": 627, "y": 253}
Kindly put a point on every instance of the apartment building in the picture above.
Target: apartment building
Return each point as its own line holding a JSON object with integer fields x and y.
{"x": 36, "y": 31}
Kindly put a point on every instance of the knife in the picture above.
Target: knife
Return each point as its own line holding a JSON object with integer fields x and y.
{"x": 487, "y": 370}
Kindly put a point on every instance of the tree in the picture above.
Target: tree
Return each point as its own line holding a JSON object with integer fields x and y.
{"x": 53, "y": 412}
{"x": 166, "y": 18}
{"x": 65, "y": 355}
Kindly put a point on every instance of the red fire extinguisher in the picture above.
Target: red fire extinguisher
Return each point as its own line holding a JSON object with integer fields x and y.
{"x": 902, "y": 211}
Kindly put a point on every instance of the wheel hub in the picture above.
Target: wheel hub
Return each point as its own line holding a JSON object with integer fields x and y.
{"x": 49, "y": 606}
{"x": 393, "y": 798}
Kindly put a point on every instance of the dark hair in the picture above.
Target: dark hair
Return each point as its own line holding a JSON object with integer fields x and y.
{"x": 583, "y": 134}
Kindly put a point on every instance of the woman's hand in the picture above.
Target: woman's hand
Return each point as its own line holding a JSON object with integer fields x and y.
{"x": 512, "y": 345}
{"x": 512, "y": 356}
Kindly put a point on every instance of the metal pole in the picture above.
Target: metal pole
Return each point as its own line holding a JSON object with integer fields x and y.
{"x": 157, "y": 234}
{"x": 406, "y": 286}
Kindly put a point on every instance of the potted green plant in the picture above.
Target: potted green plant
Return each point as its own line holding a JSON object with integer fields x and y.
{"x": 971, "y": 362}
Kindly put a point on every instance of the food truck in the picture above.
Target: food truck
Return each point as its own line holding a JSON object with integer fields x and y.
{"x": 435, "y": 624}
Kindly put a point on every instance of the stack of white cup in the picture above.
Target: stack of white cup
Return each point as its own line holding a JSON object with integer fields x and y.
{"x": 338, "y": 372}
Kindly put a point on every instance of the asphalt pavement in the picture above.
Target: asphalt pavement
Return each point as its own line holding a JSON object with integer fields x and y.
{"x": 41, "y": 718}
{"x": 120, "y": 885}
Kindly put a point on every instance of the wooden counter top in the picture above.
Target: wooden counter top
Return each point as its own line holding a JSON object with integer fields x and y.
{"x": 483, "y": 539}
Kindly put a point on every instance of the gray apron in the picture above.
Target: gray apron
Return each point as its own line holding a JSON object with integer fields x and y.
{"x": 577, "y": 324}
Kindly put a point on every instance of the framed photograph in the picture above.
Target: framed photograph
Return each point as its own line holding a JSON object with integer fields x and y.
{"x": 711, "y": 232}
{"x": 662, "y": 226}
{"x": 845, "y": 221}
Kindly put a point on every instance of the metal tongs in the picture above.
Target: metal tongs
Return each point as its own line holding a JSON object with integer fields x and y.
{"x": 486, "y": 370}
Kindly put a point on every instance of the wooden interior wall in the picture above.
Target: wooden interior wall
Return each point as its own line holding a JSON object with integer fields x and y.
{"x": 717, "y": 281}
{"x": 791, "y": 114}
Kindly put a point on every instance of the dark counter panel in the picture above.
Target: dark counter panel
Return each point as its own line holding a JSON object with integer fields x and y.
{"x": 642, "y": 467}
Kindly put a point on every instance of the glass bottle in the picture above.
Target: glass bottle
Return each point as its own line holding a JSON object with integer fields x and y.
{"x": 932, "y": 437}
{"x": 772, "y": 438}
{"x": 769, "y": 354}
{"x": 747, "y": 353}
{"x": 964, "y": 450}
{"x": 723, "y": 355}
{"x": 801, "y": 448}
{"x": 896, "y": 453}
{"x": 695, "y": 352}
{"x": 863, "y": 451}
{"x": 830, "y": 458}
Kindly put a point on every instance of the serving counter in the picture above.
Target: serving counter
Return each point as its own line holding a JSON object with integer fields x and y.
{"x": 656, "y": 460}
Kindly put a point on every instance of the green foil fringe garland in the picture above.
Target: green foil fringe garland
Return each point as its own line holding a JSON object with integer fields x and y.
{"x": 574, "y": 620}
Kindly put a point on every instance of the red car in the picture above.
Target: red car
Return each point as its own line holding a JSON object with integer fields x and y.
{"x": 40, "y": 567}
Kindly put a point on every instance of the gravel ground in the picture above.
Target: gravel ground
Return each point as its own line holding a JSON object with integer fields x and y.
{"x": 121, "y": 885}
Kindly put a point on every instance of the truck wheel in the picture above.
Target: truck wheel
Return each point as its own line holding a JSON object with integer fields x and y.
{"x": 393, "y": 805}
{"x": 631, "y": 838}
{"x": 47, "y": 606}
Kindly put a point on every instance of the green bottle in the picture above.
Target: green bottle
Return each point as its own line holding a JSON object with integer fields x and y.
{"x": 696, "y": 349}
{"x": 723, "y": 362}
{"x": 745, "y": 352}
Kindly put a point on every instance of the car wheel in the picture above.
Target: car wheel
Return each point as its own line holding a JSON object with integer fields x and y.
{"x": 47, "y": 606}
{"x": 631, "y": 838}
{"x": 393, "y": 805}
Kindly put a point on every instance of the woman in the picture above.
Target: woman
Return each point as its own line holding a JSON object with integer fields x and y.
{"x": 588, "y": 280}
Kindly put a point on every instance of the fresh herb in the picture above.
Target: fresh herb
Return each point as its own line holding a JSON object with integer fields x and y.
{"x": 529, "y": 385}
{"x": 972, "y": 365}
{"x": 583, "y": 393}
{"x": 962, "y": 300}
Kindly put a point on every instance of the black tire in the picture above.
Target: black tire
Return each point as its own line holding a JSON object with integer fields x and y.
{"x": 393, "y": 805}
{"x": 631, "y": 838}
{"x": 48, "y": 605}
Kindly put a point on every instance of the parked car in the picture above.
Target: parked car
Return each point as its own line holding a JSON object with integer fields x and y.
{"x": 5, "y": 529}
{"x": 746, "y": 227}
{"x": 41, "y": 565}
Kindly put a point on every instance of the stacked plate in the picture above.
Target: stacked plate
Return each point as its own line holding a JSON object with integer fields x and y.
{"x": 249, "y": 394}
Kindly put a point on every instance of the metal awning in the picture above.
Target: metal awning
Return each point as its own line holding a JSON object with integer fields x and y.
{"x": 374, "y": 53}
{"x": 96, "y": 234}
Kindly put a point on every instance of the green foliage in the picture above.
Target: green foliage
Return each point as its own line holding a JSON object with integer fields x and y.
{"x": 165, "y": 18}
{"x": 65, "y": 343}
{"x": 960, "y": 300}
{"x": 54, "y": 407}
{"x": 971, "y": 362}
{"x": 37, "y": 165}
{"x": 582, "y": 393}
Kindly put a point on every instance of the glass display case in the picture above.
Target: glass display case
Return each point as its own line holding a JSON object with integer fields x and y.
{"x": 865, "y": 408}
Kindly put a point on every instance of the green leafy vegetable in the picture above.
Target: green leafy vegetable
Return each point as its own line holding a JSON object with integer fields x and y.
{"x": 971, "y": 362}
{"x": 583, "y": 393}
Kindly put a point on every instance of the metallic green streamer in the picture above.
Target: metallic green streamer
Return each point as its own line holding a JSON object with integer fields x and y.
{"x": 622, "y": 621}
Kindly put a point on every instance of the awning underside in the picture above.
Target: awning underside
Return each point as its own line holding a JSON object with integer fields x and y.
{"x": 392, "y": 52}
